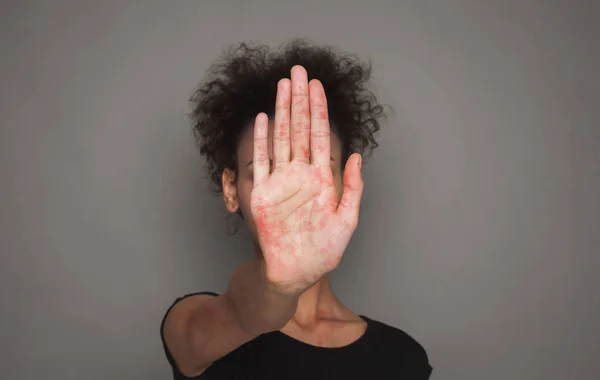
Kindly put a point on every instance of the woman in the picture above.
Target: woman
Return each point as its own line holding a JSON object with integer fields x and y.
{"x": 288, "y": 161}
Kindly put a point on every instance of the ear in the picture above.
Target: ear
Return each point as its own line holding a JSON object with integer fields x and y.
{"x": 230, "y": 197}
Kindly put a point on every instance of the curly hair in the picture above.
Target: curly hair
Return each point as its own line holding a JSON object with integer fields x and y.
{"x": 243, "y": 82}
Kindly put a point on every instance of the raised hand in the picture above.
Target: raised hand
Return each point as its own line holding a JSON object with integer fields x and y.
{"x": 303, "y": 228}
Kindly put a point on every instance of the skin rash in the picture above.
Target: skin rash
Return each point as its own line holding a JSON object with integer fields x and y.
{"x": 300, "y": 206}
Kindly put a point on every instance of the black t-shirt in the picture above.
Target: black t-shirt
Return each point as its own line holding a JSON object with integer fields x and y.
{"x": 383, "y": 352}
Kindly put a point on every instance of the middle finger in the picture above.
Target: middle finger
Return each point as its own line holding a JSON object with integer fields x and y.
{"x": 300, "y": 117}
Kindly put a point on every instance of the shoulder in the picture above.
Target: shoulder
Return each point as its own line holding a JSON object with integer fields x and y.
{"x": 192, "y": 296}
{"x": 172, "y": 323}
{"x": 184, "y": 303}
{"x": 397, "y": 345}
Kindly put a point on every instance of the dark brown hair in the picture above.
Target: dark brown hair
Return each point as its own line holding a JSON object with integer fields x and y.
{"x": 243, "y": 82}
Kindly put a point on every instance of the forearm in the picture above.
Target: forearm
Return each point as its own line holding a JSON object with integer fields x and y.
{"x": 257, "y": 305}
{"x": 205, "y": 330}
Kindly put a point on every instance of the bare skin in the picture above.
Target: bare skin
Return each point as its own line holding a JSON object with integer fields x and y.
{"x": 302, "y": 210}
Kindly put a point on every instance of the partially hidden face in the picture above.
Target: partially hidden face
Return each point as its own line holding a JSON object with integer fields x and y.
{"x": 237, "y": 189}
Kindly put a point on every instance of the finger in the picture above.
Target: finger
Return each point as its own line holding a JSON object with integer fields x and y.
{"x": 349, "y": 206}
{"x": 260, "y": 159}
{"x": 300, "y": 117}
{"x": 319, "y": 125}
{"x": 281, "y": 137}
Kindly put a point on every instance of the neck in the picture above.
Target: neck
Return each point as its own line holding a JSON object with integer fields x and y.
{"x": 318, "y": 302}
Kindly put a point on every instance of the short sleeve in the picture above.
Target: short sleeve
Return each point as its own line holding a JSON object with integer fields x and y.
{"x": 417, "y": 361}
{"x": 218, "y": 370}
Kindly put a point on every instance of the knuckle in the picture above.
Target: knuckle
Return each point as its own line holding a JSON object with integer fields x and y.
{"x": 281, "y": 132}
{"x": 262, "y": 156}
{"x": 282, "y": 106}
{"x": 299, "y": 127}
{"x": 321, "y": 133}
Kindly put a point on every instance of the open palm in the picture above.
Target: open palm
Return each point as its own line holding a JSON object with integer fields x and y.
{"x": 302, "y": 228}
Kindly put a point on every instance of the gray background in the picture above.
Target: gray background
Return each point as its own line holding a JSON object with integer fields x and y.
{"x": 480, "y": 224}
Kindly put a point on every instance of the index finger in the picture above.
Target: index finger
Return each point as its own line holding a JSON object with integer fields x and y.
{"x": 260, "y": 158}
{"x": 281, "y": 135}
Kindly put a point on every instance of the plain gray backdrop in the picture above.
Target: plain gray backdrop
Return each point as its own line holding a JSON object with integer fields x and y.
{"x": 480, "y": 223}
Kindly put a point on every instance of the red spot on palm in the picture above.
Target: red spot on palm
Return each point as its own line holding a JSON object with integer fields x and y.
{"x": 300, "y": 235}
{"x": 300, "y": 228}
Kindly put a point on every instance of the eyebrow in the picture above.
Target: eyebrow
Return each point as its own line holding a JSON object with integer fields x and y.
{"x": 270, "y": 161}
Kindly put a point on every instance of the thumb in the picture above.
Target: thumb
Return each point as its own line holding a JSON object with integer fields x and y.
{"x": 349, "y": 205}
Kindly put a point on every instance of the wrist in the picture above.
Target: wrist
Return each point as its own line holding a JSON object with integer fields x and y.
{"x": 290, "y": 289}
